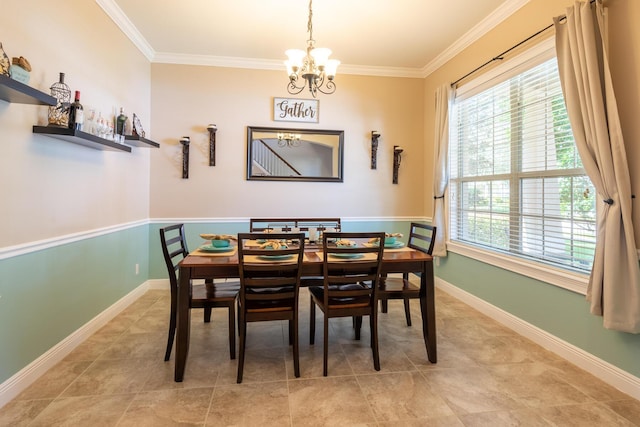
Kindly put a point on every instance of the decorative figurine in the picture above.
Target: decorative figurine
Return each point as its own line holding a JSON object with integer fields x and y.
{"x": 137, "y": 127}
{"x": 5, "y": 64}
{"x": 20, "y": 69}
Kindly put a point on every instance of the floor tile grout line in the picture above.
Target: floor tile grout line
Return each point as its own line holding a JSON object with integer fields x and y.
{"x": 412, "y": 365}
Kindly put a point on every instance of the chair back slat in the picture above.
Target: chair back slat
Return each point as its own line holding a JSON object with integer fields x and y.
{"x": 422, "y": 237}
{"x": 344, "y": 270}
{"x": 270, "y": 274}
{"x": 174, "y": 250}
{"x": 288, "y": 224}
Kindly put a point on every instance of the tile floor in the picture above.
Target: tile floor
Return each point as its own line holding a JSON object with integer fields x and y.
{"x": 485, "y": 376}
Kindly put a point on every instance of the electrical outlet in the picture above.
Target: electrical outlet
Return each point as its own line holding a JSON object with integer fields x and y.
{"x": 437, "y": 261}
{"x": 137, "y": 269}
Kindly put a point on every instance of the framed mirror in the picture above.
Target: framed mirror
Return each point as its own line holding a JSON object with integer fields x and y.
{"x": 280, "y": 154}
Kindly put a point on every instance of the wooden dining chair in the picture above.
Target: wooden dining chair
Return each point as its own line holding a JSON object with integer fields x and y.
{"x": 421, "y": 238}
{"x": 269, "y": 286}
{"x": 207, "y": 296}
{"x": 344, "y": 292}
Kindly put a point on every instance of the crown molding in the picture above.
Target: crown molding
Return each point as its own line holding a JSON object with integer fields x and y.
{"x": 276, "y": 65}
{"x": 216, "y": 61}
{"x": 479, "y": 30}
{"x": 116, "y": 14}
{"x": 126, "y": 26}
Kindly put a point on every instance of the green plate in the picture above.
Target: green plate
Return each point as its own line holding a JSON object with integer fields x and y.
{"x": 209, "y": 248}
{"x": 346, "y": 255}
{"x": 275, "y": 257}
{"x": 395, "y": 245}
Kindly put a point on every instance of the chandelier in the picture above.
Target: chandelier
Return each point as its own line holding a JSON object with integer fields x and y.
{"x": 312, "y": 68}
{"x": 288, "y": 139}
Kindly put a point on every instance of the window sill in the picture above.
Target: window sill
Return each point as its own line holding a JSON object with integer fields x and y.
{"x": 571, "y": 281}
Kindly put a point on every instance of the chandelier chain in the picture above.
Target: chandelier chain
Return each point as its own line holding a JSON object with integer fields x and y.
{"x": 310, "y": 23}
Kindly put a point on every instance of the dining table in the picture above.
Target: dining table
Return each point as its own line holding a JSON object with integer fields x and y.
{"x": 199, "y": 265}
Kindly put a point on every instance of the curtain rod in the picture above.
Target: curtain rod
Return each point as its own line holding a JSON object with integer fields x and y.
{"x": 500, "y": 56}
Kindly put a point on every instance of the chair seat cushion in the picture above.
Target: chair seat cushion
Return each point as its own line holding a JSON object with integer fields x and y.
{"x": 351, "y": 301}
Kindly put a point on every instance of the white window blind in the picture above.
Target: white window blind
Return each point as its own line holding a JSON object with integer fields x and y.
{"x": 517, "y": 185}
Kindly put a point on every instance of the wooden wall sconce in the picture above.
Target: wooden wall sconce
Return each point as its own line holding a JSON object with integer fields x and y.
{"x": 185, "y": 140}
{"x": 212, "y": 144}
{"x": 374, "y": 149}
{"x": 397, "y": 150}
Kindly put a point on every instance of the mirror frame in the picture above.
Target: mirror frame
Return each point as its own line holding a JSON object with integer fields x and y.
{"x": 256, "y": 129}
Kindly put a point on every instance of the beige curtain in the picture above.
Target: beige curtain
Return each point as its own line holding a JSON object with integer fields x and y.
{"x": 614, "y": 285}
{"x": 444, "y": 95}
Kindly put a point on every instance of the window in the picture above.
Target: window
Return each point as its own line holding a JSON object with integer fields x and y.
{"x": 517, "y": 185}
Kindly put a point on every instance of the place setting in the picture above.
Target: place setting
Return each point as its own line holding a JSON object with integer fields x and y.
{"x": 346, "y": 255}
{"x": 391, "y": 242}
{"x": 271, "y": 245}
{"x": 219, "y": 245}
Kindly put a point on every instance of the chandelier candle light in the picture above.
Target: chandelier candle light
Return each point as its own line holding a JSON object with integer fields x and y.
{"x": 288, "y": 139}
{"x": 312, "y": 68}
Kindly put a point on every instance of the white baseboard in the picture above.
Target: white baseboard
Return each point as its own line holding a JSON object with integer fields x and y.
{"x": 605, "y": 371}
{"x": 27, "y": 375}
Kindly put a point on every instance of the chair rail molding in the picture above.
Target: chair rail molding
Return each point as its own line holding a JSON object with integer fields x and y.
{"x": 39, "y": 245}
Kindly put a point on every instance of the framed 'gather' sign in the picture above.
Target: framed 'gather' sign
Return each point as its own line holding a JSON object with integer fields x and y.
{"x": 296, "y": 110}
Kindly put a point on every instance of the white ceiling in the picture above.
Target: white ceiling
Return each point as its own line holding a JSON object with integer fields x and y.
{"x": 378, "y": 37}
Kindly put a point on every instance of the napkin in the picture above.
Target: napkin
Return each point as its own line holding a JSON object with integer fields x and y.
{"x": 207, "y": 236}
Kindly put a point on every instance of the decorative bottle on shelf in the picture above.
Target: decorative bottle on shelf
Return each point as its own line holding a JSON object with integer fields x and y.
{"x": 120, "y": 122}
{"x": 59, "y": 113}
{"x": 76, "y": 114}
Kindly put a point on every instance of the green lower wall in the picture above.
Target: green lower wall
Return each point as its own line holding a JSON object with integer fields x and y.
{"x": 49, "y": 294}
{"x": 560, "y": 312}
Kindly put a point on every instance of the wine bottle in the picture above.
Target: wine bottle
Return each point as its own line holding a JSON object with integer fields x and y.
{"x": 76, "y": 114}
{"x": 120, "y": 122}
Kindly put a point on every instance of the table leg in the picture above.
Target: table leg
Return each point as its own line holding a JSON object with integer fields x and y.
{"x": 428, "y": 310}
{"x": 183, "y": 322}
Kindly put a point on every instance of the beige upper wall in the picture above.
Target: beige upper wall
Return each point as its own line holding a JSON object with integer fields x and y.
{"x": 54, "y": 188}
{"x": 624, "y": 42}
{"x": 50, "y": 187}
{"x": 186, "y": 98}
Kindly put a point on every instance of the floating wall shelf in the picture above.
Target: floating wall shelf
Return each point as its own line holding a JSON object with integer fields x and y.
{"x": 140, "y": 141}
{"x": 16, "y": 92}
{"x": 81, "y": 138}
